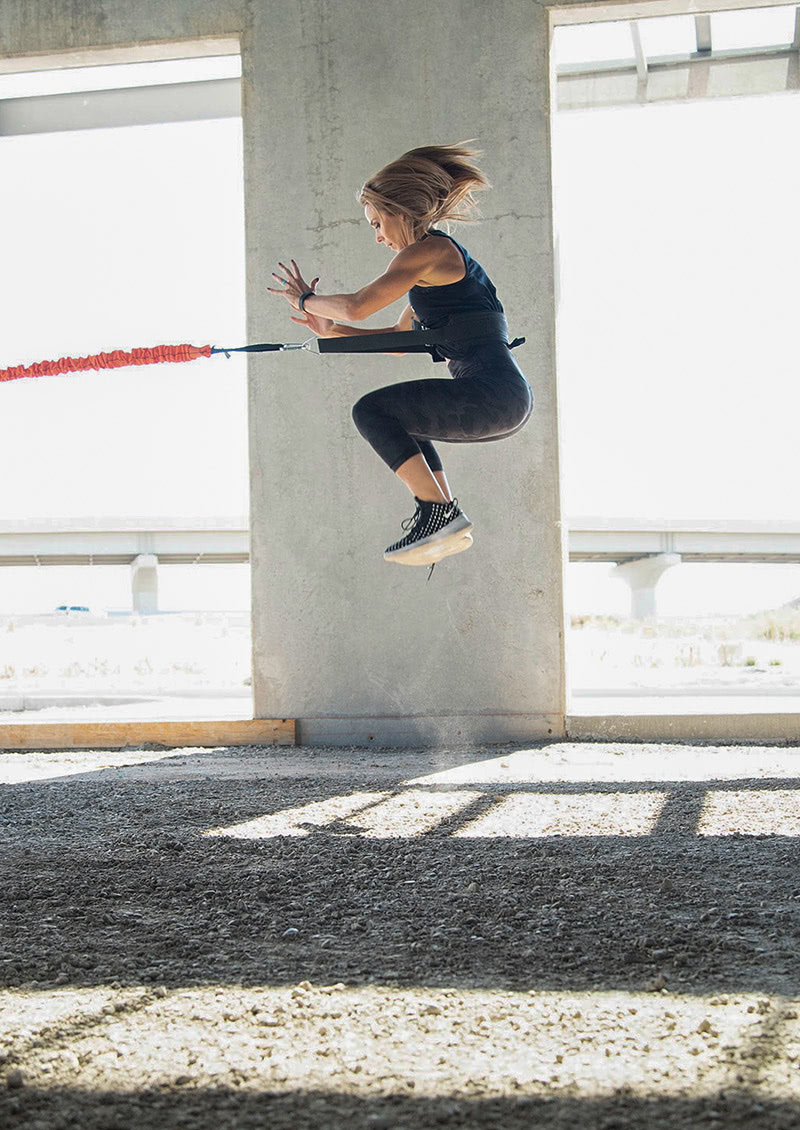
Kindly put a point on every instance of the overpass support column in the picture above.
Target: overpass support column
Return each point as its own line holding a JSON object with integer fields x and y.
{"x": 642, "y": 575}
{"x": 358, "y": 651}
{"x": 144, "y": 583}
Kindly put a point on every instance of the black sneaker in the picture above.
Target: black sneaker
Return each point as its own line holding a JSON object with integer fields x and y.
{"x": 437, "y": 530}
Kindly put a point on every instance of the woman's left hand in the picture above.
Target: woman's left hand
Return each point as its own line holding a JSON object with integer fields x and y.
{"x": 294, "y": 285}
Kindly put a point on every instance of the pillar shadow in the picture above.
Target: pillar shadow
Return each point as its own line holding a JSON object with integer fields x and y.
{"x": 105, "y": 880}
{"x": 307, "y": 1110}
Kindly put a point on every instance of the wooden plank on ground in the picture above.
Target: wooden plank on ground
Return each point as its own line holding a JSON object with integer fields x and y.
{"x": 130, "y": 735}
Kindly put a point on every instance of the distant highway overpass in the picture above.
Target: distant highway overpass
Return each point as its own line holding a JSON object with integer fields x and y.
{"x": 622, "y": 539}
{"x": 640, "y": 548}
{"x": 141, "y": 543}
{"x": 119, "y": 541}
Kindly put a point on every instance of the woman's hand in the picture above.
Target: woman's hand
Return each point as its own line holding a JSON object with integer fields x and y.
{"x": 319, "y": 326}
{"x": 294, "y": 285}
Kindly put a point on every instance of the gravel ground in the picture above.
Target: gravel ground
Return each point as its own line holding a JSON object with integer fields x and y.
{"x": 565, "y": 935}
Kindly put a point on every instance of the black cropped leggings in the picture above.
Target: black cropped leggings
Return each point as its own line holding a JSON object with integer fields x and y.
{"x": 487, "y": 399}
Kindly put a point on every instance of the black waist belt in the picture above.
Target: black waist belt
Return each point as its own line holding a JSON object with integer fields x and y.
{"x": 488, "y": 325}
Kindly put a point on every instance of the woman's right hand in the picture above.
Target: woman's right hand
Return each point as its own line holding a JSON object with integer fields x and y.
{"x": 319, "y": 326}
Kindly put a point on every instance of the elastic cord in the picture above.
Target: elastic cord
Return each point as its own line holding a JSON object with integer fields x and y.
{"x": 116, "y": 359}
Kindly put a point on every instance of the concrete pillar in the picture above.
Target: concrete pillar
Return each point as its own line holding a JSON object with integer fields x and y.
{"x": 144, "y": 583}
{"x": 642, "y": 575}
{"x": 358, "y": 650}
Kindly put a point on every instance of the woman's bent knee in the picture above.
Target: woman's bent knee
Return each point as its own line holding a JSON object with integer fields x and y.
{"x": 364, "y": 413}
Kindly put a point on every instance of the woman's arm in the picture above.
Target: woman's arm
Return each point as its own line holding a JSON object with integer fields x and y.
{"x": 408, "y": 267}
{"x": 404, "y": 322}
{"x": 324, "y": 327}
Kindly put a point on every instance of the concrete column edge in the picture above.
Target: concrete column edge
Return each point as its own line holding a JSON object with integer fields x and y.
{"x": 430, "y": 730}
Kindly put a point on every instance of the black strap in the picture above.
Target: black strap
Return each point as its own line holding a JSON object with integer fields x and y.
{"x": 267, "y": 347}
{"x": 487, "y": 325}
{"x": 412, "y": 341}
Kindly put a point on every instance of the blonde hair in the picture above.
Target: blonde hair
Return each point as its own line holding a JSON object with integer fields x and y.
{"x": 427, "y": 186}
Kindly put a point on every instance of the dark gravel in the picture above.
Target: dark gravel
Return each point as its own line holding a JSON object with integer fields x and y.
{"x": 344, "y": 971}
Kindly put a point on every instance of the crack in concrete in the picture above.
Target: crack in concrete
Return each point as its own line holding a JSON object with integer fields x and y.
{"x": 321, "y": 227}
{"x": 514, "y": 216}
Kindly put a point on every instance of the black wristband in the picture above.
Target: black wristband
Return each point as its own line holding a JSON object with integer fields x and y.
{"x": 301, "y": 302}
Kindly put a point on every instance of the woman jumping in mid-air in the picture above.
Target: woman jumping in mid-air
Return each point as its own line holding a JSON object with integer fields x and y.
{"x": 489, "y": 398}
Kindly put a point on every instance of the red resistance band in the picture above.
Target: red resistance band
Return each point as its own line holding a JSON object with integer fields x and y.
{"x": 118, "y": 359}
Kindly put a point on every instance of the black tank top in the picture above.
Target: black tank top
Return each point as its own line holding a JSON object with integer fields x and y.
{"x": 433, "y": 305}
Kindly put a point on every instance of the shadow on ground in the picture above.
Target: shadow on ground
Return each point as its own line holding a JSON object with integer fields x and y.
{"x": 232, "y": 1108}
{"x": 107, "y": 878}
{"x": 111, "y": 879}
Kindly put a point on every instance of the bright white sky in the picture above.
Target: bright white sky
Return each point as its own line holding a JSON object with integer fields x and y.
{"x": 678, "y": 360}
{"x": 678, "y": 248}
{"x": 678, "y": 351}
{"x": 122, "y": 238}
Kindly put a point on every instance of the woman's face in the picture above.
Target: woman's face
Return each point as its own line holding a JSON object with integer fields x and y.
{"x": 391, "y": 230}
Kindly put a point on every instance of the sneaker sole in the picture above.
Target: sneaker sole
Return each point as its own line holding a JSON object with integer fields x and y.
{"x": 433, "y": 552}
{"x": 457, "y": 528}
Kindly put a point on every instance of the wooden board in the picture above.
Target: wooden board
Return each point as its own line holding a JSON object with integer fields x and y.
{"x": 130, "y": 735}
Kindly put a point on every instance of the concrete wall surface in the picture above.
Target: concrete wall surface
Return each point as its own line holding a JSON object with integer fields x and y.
{"x": 352, "y": 647}
{"x": 348, "y": 644}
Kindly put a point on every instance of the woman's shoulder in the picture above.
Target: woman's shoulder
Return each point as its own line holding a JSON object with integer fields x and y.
{"x": 443, "y": 239}
{"x": 445, "y": 261}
